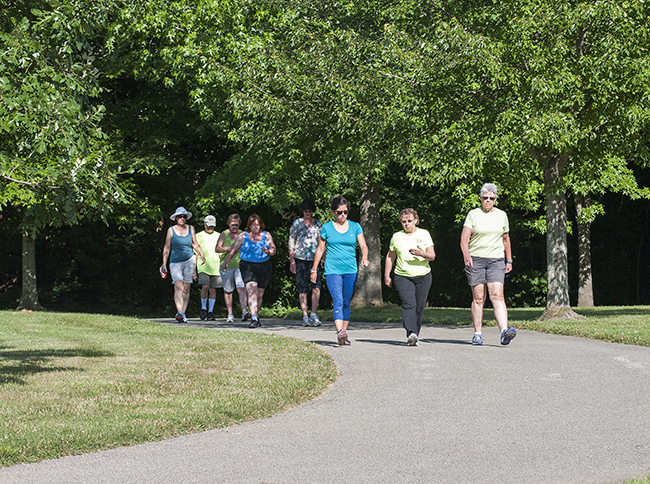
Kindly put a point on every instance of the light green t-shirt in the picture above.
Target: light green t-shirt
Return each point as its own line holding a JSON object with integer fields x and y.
{"x": 227, "y": 242}
{"x": 212, "y": 260}
{"x": 487, "y": 233}
{"x": 407, "y": 264}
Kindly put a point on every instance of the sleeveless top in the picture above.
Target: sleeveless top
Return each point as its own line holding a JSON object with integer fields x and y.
{"x": 181, "y": 246}
{"x": 252, "y": 251}
{"x": 227, "y": 242}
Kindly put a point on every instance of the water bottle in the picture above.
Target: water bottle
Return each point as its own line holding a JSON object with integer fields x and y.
{"x": 163, "y": 269}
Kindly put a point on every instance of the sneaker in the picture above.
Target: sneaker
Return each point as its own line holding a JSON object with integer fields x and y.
{"x": 508, "y": 335}
{"x": 245, "y": 316}
{"x": 204, "y": 314}
{"x": 313, "y": 319}
{"x": 211, "y": 316}
{"x": 255, "y": 323}
{"x": 342, "y": 336}
{"x": 413, "y": 339}
{"x": 305, "y": 321}
{"x": 185, "y": 320}
{"x": 477, "y": 339}
{"x": 231, "y": 318}
{"x": 180, "y": 317}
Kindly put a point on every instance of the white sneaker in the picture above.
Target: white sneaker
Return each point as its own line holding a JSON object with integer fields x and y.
{"x": 313, "y": 319}
{"x": 231, "y": 318}
{"x": 305, "y": 321}
{"x": 413, "y": 339}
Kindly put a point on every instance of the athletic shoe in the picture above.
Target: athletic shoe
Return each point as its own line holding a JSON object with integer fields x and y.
{"x": 245, "y": 316}
{"x": 231, "y": 318}
{"x": 204, "y": 314}
{"x": 477, "y": 339}
{"x": 508, "y": 335}
{"x": 342, "y": 336}
{"x": 314, "y": 320}
{"x": 185, "y": 320}
{"x": 211, "y": 316}
{"x": 180, "y": 317}
{"x": 413, "y": 339}
{"x": 305, "y": 321}
{"x": 255, "y": 323}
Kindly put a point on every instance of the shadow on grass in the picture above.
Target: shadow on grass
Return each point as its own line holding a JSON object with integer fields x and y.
{"x": 34, "y": 362}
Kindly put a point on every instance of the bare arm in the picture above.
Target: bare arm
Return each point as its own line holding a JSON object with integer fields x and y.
{"x": 508, "y": 250}
{"x": 428, "y": 254}
{"x": 464, "y": 245}
{"x": 269, "y": 241}
{"x": 320, "y": 250}
{"x": 219, "y": 248}
{"x": 364, "y": 250}
{"x": 196, "y": 246}
{"x": 239, "y": 241}
{"x": 390, "y": 262}
{"x": 166, "y": 250}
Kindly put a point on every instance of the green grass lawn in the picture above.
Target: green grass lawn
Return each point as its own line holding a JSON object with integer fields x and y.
{"x": 73, "y": 383}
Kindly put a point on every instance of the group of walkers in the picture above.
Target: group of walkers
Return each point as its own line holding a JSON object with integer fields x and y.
{"x": 241, "y": 260}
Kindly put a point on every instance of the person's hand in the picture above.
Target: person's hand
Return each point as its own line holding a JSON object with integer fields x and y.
{"x": 195, "y": 276}
{"x": 365, "y": 263}
{"x": 222, "y": 267}
{"x": 312, "y": 277}
{"x": 417, "y": 252}
{"x": 508, "y": 267}
{"x": 388, "y": 281}
{"x": 292, "y": 266}
{"x": 202, "y": 259}
{"x": 468, "y": 261}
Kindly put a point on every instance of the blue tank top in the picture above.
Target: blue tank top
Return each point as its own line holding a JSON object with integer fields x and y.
{"x": 181, "y": 246}
{"x": 252, "y": 251}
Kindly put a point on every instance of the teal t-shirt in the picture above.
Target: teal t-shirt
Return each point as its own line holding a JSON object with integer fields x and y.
{"x": 341, "y": 248}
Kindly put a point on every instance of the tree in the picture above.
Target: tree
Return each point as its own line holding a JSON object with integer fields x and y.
{"x": 54, "y": 164}
{"x": 532, "y": 94}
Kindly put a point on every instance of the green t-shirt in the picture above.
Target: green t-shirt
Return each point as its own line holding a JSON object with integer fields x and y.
{"x": 227, "y": 242}
{"x": 212, "y": 260}
{"x": 407, "y": 264}
{"x": 487, "y": 233}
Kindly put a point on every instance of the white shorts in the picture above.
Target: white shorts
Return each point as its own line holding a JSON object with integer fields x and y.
{"x": 232, "y": 279}
{"x": 183, "y": 271}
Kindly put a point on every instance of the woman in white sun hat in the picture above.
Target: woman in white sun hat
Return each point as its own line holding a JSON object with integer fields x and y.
{"x": 180, "y": 241}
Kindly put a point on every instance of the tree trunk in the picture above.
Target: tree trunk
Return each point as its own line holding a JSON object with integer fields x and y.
{"x": 557, "y": 298}
{"x": 585, "y": 281}
{"x": 368, "y": 290}
{"x": 29, "y": 298}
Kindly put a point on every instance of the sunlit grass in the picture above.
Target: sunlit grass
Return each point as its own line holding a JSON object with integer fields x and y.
{"x": 72, "y": 383}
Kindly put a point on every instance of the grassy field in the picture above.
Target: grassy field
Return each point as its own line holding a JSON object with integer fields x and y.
{"x": 73, "y": 383}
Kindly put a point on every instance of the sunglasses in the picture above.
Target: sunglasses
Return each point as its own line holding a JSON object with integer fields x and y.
{"x": 181, "y": 216}
{"x": 489, "y": 198}
{"x": 341, "y": 212}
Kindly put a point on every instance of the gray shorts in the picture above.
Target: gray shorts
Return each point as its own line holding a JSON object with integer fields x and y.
{"x": 207, "y": 280}
{"x": 231, "y": 280}
{"x": 183, "y": 271}
{"x": 485, "y": 271}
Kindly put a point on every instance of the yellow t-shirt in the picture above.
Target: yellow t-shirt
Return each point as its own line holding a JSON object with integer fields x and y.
{"x": 212, "y": 259}
{"x": 487, "y": 233}
{"x": 407, "y": 264}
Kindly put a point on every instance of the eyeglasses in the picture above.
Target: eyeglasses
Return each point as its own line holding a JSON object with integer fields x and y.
{"x": 489, "y": 198}
{"x": 181, "y": 216}
{"x": 404, "y": 222}
{"x": 341, "y": 212}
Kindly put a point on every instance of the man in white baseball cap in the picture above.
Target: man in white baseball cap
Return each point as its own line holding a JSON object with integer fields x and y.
{"x": 208, "y": 273}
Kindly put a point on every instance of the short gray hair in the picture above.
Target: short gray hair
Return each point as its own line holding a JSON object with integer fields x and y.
{"x": 489, "y": 188}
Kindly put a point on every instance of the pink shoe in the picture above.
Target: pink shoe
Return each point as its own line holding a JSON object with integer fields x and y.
{"x": 343, "y": 338}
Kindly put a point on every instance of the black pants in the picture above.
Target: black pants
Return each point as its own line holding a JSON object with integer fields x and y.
{"x": 413, "y": 292}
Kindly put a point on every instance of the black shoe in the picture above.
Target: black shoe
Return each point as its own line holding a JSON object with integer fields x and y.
{"x": 255, "y": 323}
{"x": 211, "y": 316}
{"x": 203, "y": 315}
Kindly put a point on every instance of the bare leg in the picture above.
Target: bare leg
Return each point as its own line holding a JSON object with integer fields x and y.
{"x": 178, "y": 296}
{"x": 478, "y": 300}
{"x": 227, "y": 298}
{"x": 186, "y": 295}
{"x": 252, "y": 292}
{"x": 495, "y": 290}
{"x": 243, "y": 298}
{"x": 302, "y": 297}
{"x": 315, "y": 297}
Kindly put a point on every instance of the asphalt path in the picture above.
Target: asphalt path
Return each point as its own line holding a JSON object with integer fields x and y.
{"x": 545, "y": 409}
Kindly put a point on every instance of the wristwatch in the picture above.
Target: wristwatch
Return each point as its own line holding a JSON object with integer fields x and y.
{"x": 312, "y": 271}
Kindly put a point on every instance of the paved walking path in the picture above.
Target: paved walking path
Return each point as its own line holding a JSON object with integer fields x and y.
{"x": 545, "y": 409}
